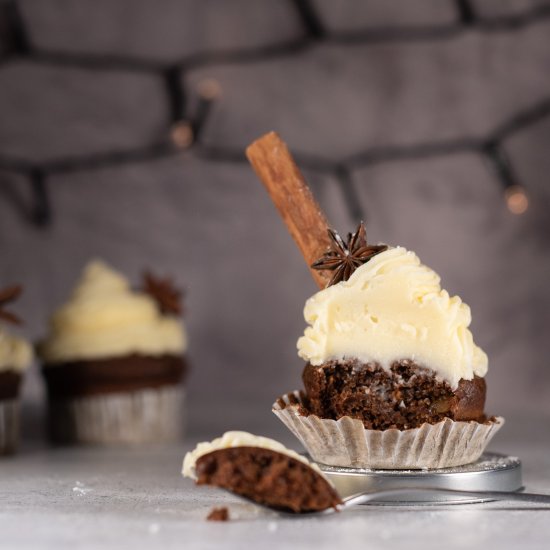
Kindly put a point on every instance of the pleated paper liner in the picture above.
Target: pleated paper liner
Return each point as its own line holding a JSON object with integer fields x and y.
{"x": 138, "y": 417}
{"x": 9, "y": 425}
{"x": 346, "y": 442}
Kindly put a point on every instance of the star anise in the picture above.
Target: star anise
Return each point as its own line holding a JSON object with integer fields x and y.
{"x": 163, "y": 291}
{"x": 7, "y": 296}
{"x": 345, "y": 257}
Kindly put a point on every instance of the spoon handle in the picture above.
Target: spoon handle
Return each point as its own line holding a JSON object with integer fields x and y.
{"x": 363, "y": 498}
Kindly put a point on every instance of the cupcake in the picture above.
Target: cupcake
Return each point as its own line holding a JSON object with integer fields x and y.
{"x": 15, "y": 357}
{"x": 262, "y": 470}
{"x": 113, "y": 361}
{"x": 393, "y": 378}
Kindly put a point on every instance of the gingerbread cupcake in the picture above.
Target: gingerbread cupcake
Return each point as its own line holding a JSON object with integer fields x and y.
{"x": 15, "y": 357}
{"x": 393, "y": 378}
{"x": 114, "y": 361}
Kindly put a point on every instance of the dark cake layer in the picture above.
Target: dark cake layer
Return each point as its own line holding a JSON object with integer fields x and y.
{"x": 113, "y": 375}
{"x": 10, "y": 381}
{"x": 267, "y": 477}
{"x": 405, "y": 397}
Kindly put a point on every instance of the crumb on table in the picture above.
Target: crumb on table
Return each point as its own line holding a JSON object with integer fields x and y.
{"x": 218, "y": 514}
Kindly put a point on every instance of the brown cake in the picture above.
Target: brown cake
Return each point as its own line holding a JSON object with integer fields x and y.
{"x": 404, "y": 397}
{"x": 263, "y": 471}
{"x": 10, "y": 382}
{"x": 116, "y": 374}
{"x": 218, "y": 514}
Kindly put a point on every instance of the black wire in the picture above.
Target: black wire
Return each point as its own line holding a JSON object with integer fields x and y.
{"x": 349, "y": 192}
{"x": 466, "y": 12}
{"x": 41, "y": 213}
{"x": 17, "y": 44}
{"x": 174, "y": 93}
{"x": 501, "y": 164}
{"x": 311, "y": 21}
{"x": 12, "y": 29}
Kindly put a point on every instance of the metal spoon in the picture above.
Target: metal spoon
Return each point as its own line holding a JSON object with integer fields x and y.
{"x": 363, "y": 498}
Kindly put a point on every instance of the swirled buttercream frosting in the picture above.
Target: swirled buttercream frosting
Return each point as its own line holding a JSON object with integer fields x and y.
{"x": 393, "y": 308}
{"x": 106, "y": 318}
{"x": 15, "y": 353}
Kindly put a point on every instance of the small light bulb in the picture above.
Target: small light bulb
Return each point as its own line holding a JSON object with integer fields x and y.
{"x": 209, "y": 89}
{"x": 182, "y": 134}
{"x": 516, "y": 199}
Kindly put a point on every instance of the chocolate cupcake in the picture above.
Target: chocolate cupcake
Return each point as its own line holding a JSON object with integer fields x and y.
{"x": 393, "y": 377}
{"x": 262, "y": 470}
{"x": 15, "y": 357}
{"x": 114, "y": 363}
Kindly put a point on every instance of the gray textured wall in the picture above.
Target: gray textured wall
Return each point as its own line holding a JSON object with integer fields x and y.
{"x": 74, "y": 89}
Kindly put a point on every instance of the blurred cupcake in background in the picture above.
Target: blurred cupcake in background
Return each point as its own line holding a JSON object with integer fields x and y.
{"x": 113, "y": 361}
{"x": 15, "y": 357}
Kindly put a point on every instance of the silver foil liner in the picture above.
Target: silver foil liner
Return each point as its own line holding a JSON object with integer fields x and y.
{"x": 346, "y": 442}
{"x": 137, "y": 417}
{"x": 9, "y": 425}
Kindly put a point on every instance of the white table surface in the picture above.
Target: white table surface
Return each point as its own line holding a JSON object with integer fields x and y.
{"x": 135, "y": 498}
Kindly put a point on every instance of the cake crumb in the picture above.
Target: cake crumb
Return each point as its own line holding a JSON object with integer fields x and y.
{"x": 80, "y": 489}
{"x": 218, "y": 514}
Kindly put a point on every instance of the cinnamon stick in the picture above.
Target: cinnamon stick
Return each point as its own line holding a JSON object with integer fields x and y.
{"x": 274, "y": 165}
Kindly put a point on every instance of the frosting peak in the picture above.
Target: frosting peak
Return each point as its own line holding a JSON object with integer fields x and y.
{"x": 98, "y": 277}
{"x": 393, "y": 308}
{"x": 106, "y": 318}
{"x": 15, "y": 353}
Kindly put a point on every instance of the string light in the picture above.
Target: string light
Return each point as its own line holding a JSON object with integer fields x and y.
{"x": 187, "y": 124}
{"x": 514, "y": 194}
{"x": 209, "y": 89}
{"x": 516, "y": 199}
{"x": 182, "y": 134}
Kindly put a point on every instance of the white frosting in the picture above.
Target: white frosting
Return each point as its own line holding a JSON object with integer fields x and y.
{"x": 393, "y": 308}
{"x": 15, "y": 353}
{"x": 106, "y": 318}
{"x": 237, "y": 439}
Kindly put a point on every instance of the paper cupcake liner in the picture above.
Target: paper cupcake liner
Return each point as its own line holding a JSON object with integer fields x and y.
{"x": 346, "y": 442}
{"x": 9, "y": 425}
{"x": 145, "y": 416}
